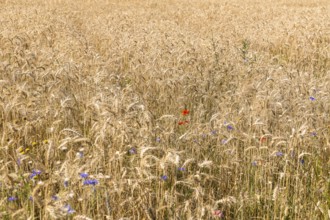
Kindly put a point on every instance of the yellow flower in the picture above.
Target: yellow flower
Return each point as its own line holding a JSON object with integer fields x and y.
{"x": 23, "y": 150}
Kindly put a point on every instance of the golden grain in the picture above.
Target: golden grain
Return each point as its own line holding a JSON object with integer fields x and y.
{"x": 99, "y": 87}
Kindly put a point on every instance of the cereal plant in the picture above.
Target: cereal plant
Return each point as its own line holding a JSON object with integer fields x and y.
{"x": 174, "y": 109}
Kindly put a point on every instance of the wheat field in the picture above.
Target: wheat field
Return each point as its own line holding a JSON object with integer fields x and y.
{"x": 174, "y": 109}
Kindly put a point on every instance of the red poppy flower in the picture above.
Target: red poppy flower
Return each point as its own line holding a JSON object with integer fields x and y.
{"x": 218, "y": 213}
{"x": 263, "y": 139}
{"x": 185, "y": 112}
{"x": 183, "y": 122}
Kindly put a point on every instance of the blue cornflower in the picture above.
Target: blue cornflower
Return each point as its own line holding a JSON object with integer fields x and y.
{"x": 69, "y": 209}
{"x": 12, "y": 198}
{"x": 66, "y": 183}
{"x": 80, "y": 154}
{"x": 279, "y": 154}
{"x": 158, "y": 139}
{"x": 254, "y": 163}
{"x": 83, "y": 175}
{"x": 182, "y": 169}
{"x": 34, "y": 173}
{"x": 302, "y": 161}
{"x": 132, "y": 150}
{"x": 230, "y": 128}
{"x": 164, "y": 177}
{"x": 314, "y": 134}
{"x": 30, "y": 198}
{"x": 55, "y": 197}
{"x": 214, "y": 132}
{"x": 312, "y": 98}
{"x": 91, "y": 182}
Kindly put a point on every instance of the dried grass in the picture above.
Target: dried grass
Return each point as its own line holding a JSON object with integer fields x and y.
{"x": 100, "y": 86}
